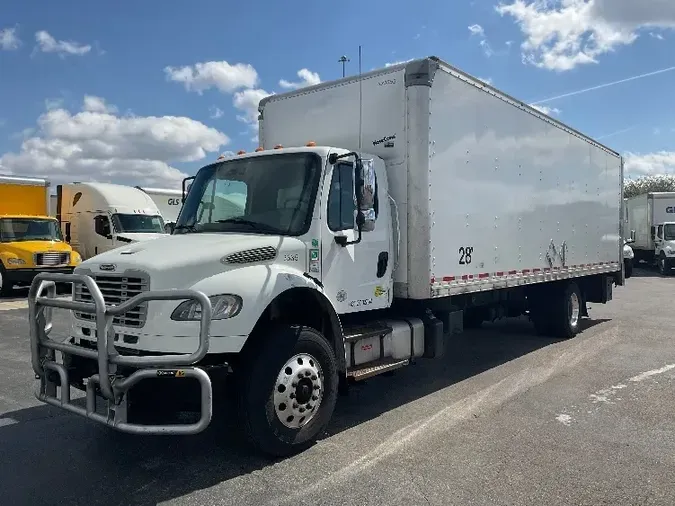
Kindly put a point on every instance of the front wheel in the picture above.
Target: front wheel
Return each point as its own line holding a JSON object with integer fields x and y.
{"x": 288, "y": 390}
{"x": 663, "y": 264}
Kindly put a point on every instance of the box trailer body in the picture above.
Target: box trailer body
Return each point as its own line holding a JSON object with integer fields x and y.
{"x": 490, "y": 192}
{"x": 99, "y": 217}
{"x": 30, "y": 240}
{"x": 651, "y": 225}
{"x": 168, "y": 201}
{"x": 381, "y": 213}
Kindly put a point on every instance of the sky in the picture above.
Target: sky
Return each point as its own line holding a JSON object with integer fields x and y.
{"x": 147, "y": 92}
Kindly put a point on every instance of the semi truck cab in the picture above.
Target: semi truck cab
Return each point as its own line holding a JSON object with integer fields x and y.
{"x": 664, "y": 246}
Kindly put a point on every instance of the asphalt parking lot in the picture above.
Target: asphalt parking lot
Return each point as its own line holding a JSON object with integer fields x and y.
{"x": 505, "y": 418}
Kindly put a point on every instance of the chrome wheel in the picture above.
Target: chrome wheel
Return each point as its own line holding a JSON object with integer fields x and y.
{"x": 574, "y": 309}
{"x": 298, "y": 391}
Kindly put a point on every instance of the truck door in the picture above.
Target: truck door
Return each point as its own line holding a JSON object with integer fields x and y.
{"x": 102, "y": 239}
{"x": 356, "y": 277}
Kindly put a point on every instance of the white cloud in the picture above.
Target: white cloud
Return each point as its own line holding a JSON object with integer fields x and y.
{"x": 550, "y": 111}
{"x": 307, "y": 78}
{"x": 477, "y": 30}
{"x": 661, "y": 162}
{"x": 221, "y": 75}
{"x": 215, "y": 112}
{"x": 101, "y": 145}
{"x": 97, "y": 104}
{"x": 9, "y": 40}
{"x": 560, "y": 35}
{"x": 48, "y": 44}
{"x": 247, "y": 102}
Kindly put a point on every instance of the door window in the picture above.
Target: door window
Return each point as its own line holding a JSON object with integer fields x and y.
{"x": 102, "y": 225}
{"x": 341, "y": 199}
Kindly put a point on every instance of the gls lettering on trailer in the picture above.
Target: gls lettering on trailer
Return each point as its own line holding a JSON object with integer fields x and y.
{"x": 670, "y": 210}
{"x": 387, "y": 82}
{"x": 174, "y": 202}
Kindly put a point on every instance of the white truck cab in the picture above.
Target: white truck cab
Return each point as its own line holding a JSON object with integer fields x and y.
{"x": 99, "y": 217}
{"x": 304, "y": 266}
{"x": 651, "y": 220}
{"x": 168, "y": 201}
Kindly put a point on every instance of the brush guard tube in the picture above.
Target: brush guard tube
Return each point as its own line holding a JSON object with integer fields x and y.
{"x": 110, "y": 385}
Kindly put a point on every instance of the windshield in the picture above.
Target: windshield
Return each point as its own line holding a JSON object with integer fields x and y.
{"x": 669, "y": 232}
{"x": 271, "y": 194}
{"x": 29, "y": 229}
{"x": 138, "y": 223}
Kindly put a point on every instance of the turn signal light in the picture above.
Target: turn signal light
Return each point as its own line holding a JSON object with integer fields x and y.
{"x": 259, "y": 149}
{"x": 241, "y": 152}
{"x": 278, "y": 146}
{"x": 311, "y": 144}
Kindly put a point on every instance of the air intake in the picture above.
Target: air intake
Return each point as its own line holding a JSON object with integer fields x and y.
{"x": 250, "y": 256}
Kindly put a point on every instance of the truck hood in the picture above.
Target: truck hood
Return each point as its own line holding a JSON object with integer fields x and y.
{"x": 27, "y": 248}
{"x": 132, "y": 237}
{"x": 179, "y": 261}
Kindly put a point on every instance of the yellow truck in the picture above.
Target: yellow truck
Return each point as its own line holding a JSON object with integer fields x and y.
{"x": 30, "y": 239}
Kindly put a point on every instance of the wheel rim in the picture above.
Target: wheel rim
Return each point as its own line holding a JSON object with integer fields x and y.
{"x": 298, "y": 391}
{"x": 574, "y": 309}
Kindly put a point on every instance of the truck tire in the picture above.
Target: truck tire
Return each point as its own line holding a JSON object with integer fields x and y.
{"x": 662, "y": 264}
{"x": 628, "y": 268}
{"x": 566, "y": 311}
{"x": 287, "y": 390}
{"x": 5, "y": 286}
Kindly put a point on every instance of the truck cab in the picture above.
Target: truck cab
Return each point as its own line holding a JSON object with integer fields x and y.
{"x": 30, "y": 241}
{"x": 99, "y": 217}
{"x": 663, "y": 235}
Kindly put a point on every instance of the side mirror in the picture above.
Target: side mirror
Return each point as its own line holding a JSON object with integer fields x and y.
{"x": 186, "y": 187}
{"x": 632, "y": 236}
{"x": 365, "y": 176}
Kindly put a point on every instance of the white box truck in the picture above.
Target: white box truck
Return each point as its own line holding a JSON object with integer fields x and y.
{"x": 99, "y": 217}
{"x": 168, "y": 201}
{"x": 651, "y": 221}
{"x": 378, "y": 211}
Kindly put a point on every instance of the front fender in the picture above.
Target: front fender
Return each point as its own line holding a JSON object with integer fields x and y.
{"x": 258, "y": 286}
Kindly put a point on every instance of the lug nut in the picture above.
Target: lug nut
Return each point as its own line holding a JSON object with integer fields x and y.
{"x": 302, "y": 410}
{"x": 308, "y": 373}
{"x": 316, "y": 387}
{"x": 292, "y": 396}
{"x": 295, "y": 405}
{"x": 294, "y": 384}
{"x": 314, "y": 397}
{"x": 314, "y": 378}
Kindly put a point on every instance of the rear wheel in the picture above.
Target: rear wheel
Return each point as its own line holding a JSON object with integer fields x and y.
{"x": 287, "y": 390}
{"x": 557, "y": 312}
{"x": 5, "y": 286}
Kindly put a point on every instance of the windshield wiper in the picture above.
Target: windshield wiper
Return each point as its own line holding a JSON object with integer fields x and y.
{"x": 253, "y": 224}
{"x": 191, "y": 228}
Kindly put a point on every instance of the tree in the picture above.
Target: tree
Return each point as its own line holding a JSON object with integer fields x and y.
{"x": 647, "y": 184}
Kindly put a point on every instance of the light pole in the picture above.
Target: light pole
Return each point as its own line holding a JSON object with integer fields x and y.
{"x": 343, "y": 59}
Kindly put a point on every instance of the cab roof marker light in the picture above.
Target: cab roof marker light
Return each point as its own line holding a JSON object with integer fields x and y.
{"x": 311, "y": 144}
{"x": 259, "y": 149}
{"x": 278, "y": 146}
{"x": 241, "y": 152}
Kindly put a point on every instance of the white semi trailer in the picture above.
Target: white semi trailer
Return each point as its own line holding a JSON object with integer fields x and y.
{"x": 168, "y": 201}
{"x": 379, "y": 212}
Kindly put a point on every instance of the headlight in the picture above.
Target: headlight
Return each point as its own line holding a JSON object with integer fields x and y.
{"x": 76, "y": 258}
{"x": 223, "y": 306}
{"x": 15, "y": 261}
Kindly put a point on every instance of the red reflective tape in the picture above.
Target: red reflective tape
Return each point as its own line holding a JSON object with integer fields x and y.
{"x": 526, "y": 271}
{"x": 513, "y": 272}
{"x": 536, "y": 270}
{"x": 499, "y": 273}
{"x": 483, "y": 275}
{"x": 448, "y": 278}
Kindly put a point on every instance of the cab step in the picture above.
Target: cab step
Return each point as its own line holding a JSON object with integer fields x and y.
{"x": 370, "y": 369}
{"x": 358, "y": 332}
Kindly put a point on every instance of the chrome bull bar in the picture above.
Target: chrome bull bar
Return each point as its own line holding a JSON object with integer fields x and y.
{"x": 113, "y": 387}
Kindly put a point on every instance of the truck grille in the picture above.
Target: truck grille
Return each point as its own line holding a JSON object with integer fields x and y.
{"x": 116, "y": 289}
{"x": 51, "y": 259}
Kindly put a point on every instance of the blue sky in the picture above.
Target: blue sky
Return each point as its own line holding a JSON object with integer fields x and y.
{"x": 154, "y": 114}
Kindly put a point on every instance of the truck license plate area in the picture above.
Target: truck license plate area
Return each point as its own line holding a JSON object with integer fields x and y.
{"x": 117, "y": 377}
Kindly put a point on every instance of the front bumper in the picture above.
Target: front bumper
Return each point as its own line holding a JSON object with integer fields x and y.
{"x": 115, "y": 374}
{"x": 25, "y": 276}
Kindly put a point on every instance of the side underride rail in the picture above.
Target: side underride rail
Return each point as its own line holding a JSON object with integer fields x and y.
{"x": 111, "y": 385}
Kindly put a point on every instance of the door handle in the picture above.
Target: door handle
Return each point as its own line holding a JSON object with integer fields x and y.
{"x": 382, "y": 262}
